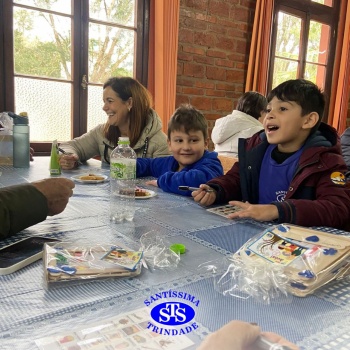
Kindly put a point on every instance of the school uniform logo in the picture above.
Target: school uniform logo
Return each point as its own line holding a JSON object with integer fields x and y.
{"x": 338, "y": 178}
{"x": 280, "y": 196}
{"x": 173, "y": 316}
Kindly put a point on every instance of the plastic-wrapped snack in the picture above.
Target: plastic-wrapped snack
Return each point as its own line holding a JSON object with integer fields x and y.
{"x": 65, "y": 262}
{"x": 309, "y": 258}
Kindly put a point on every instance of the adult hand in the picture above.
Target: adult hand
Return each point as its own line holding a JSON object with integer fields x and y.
{"x": 203, "y": 197}
{"x": 238, "y": 335}
{"x": 259, "y": 212}
{"x": 68, "y": 161}
{"x": 276, "y": 338}
{"x": 57, "y": 192}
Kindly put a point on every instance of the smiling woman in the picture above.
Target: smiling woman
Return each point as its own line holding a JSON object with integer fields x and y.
{"x": 127, "y": 104}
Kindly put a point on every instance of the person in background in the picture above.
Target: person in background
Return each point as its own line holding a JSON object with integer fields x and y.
{"x": 345, "y": 146}
{"x": 293, "y": 172}
{"x": 25, "y": 205}
{"x": 127, "y": 104}
{"x": 238, "y": 335}
{"x": 243, "y": 122}
{"x": 191, "y": 163}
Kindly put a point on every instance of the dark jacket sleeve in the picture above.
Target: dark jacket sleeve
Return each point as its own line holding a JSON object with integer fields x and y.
{"x": 21, "y": 206}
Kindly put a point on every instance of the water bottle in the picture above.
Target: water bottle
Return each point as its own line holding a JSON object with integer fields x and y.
{"x": 21, "y": 143}
{"x": 122, "y": 181}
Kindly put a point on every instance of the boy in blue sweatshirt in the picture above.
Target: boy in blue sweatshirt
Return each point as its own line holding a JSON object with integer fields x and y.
{"x": 191, "y": 163}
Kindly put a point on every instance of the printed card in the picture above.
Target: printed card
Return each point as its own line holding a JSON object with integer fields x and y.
{"x": 224, "y": 210}
{"x": 277, "y": 249}
{"x": 125, "y": 331}
{"x": 64, "y": 262}
{"x": 125, "y": 258}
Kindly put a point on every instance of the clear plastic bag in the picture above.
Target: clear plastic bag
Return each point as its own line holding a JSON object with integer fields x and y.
{"x": 68, "y": 261}
{"x": 281, "y": 261}
{"x": 232, "y": 276}
{"x": 157, "y": 252}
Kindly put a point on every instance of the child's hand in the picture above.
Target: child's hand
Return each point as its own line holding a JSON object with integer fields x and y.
{"x": 203, "y": 196}
{"x": 259, "y": 212}
{"x": 152, "y": 183}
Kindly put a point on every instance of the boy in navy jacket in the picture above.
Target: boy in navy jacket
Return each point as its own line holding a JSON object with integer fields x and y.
{"x": 191, "y": 163}
{"x": 293, "y": 172}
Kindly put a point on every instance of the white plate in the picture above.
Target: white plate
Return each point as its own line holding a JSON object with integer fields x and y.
{"x": 151, "y": 194}
{"x": 77, "y": 178}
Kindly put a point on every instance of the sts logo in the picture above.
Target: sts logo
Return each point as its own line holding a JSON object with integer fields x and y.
{"x": 172, "y": 316}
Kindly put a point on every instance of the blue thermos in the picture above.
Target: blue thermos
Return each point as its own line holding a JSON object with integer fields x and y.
{"x": 21, "y": 142}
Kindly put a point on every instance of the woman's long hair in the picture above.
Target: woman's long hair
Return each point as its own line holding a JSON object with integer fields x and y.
{"x": 126, "y": 87}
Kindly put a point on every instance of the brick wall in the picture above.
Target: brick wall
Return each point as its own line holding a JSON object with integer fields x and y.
{"x": 214, "y": 43}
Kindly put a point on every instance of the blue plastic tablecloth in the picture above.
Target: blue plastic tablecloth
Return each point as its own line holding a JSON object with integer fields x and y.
{"x": 29, "y": 311}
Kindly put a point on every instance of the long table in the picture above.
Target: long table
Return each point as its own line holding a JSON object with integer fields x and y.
{"x": 29, "y": 311}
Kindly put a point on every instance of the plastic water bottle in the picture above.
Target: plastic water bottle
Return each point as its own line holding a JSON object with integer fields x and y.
{"x": 122, "y": 181}
{"x": 21, "y": 143}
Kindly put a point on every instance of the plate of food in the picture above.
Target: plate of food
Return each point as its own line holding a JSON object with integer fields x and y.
{"x": 142, "y": 193}
{"x": 90, "y": 178}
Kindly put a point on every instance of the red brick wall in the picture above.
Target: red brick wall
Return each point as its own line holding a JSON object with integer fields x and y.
{"x": 214, "y": 43}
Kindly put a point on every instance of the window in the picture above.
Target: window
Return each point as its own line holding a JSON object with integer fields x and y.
{"x": 59, "y": 54}
{"x": 303, "y": 42}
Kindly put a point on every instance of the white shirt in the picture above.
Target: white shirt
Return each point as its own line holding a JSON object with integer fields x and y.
{"x": 229, "y": 129}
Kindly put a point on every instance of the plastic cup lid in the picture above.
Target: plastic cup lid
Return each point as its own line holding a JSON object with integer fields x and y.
{"x": 178, "y": 248}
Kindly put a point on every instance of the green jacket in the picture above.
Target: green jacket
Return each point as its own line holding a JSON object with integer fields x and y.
{"x": 21, "y": 206}
{"x": 93, "y": 143}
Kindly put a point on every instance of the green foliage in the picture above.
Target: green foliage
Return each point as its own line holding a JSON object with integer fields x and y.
{"x": 110, "y": 48}
{"x": 287, "y": 54}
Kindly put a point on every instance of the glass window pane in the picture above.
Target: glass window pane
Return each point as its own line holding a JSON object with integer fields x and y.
{"x": 120, "y": 12}
{"x": 324, "y": 2}
{"x": 48, "y": 106}
{"x": 95, "y": 103}
{"x": 63, "y": 6}
{"x": 316, "y": 73}
{"x": 42, "y": 44}
{"x": 288, "y": 36}
{"x": 284, "y": 70}
{"x": 318, "y": 43}
{"x": 111, "y": 52}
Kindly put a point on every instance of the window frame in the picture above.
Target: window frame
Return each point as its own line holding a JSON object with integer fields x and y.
{"x": 307, "y": 11}
{"x": 79, "y": 20}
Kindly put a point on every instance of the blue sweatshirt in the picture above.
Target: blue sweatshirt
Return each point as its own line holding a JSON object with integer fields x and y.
{"x": 164, "y": 168}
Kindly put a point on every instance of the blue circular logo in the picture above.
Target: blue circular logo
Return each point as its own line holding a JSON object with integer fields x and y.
{"x": 172, "y": 313}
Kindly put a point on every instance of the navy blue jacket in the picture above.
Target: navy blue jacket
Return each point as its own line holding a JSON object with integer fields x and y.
{"x": 169, "y": 179}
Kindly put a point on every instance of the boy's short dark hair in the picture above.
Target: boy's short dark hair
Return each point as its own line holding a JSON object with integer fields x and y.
{"x": 188, "y": 118}
{"x": 252, "y": 103}
{"x": 305, "y": 93}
